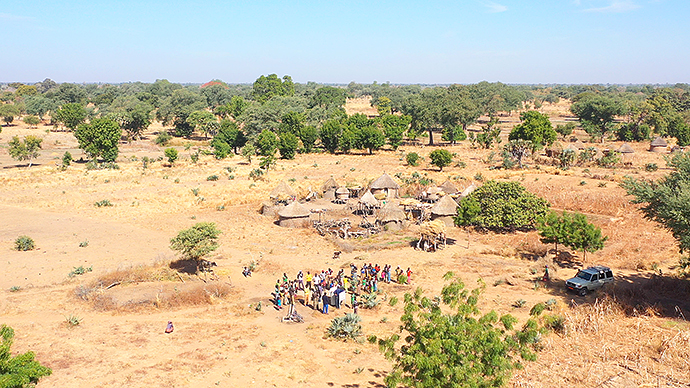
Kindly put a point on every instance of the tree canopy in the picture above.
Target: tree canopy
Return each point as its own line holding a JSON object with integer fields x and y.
{"x": 536, "y": 128}
{"x": 99, "y": 139}
{"x": 441, "y": 158}
{"x": 196, "y": 242}
{"x": 22, "y": 370}
{"x": 26, "y": 149}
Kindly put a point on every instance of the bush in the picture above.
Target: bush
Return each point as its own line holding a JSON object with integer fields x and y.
{"x": 347, "y": 327}
{"x": 103, "y": 203}
{"x": 441, "y": 158}
{"x": 163, "y": 139}
{"x": 24, "y": 243}
{"x": 609, "y": 160}
{"x": 21, "y": 370}
{"x": 555, "y": 322}
{"x": 66, "y": 159}
{"x": 212, "y": 178}
{"x": 412, "y": 159}
{"x": 651, "y": 167}
{"x": 393, "y": 301}
{"x": 171, "y": 154}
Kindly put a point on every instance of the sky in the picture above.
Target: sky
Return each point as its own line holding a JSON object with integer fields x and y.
{"x": 337, "y": 41}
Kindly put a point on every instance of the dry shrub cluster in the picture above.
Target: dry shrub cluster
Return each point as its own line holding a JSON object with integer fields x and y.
{"x": 667, "y": 296}
{"x": 603, "y": 346}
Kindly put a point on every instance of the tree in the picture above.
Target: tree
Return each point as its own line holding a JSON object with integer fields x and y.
{"x": 383, "y": 106}
{"x": 26, "y": 149}
{"x": 328, "y": 97}
{"x": 177, "y": 107}
{"x": 597, "y": 112}
{"x": 330, "y": 134}
{"x": 287, "y": 145}
{"x": 204, "y": 121}
{"x": 518, "y": 149}
{"x": 71, "y": 115}
{"x": 99, "y": 139}
{"x": 32, "y": 120}
{"x": 458, "y": 108}
{"x": 26, "y": 90}
{"x": 584, "y": 237}
{"x": 448, "y": 343}
{"x": 565, "y": 130}
{"x": 292, "y": 122}
{"x": 133, "y": 115}
{"x": 555, "y": 229}
{"x": 22, "y": 370}
{"x": 196, "y": 242}
{"x": 8, "y": 112}
{"x": 441, "y": 158}
{"x": 369, "y": 138}
{"x": 228, "y": 139}
{"x": 666, "y": 200}
{"x": 235, "y": 108}
{"x": 536, "y": 128}
{"x": 454, "y": 134}
{"x": 394, "y": 127}
{"x": 308, "y": 135}
{"x": 501, "y": 207}
{"x": 489, "y": 135}
{"x": 266, "y": 87}
{"x": 39, "y": 105}
{"x": 266, "y": 144}
{"x": 171, "y": 154}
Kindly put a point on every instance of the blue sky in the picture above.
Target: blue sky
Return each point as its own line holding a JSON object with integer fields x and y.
{"x": 334, "y": 41}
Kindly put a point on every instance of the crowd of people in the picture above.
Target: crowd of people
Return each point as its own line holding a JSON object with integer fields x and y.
{"x": 328, "y": 288}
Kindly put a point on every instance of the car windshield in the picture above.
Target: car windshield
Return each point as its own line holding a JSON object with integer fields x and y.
{"x": 584, "y": 275}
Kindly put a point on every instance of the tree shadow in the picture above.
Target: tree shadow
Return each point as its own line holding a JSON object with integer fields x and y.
{"x": 665, "y": 296}
{"x": 567, "y": 260}
{"x": 21, "y": 166}
{"x": 187, "y": 266}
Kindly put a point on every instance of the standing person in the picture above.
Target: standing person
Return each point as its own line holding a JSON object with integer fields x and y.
{"x": 307, "y": 291}
{"x": 308, "y": 279}
{"x": 409, "y": 275}
{"x": 547, "y": 275}
{"x": 325, "y": 301}
{"x": 300, "y": 280}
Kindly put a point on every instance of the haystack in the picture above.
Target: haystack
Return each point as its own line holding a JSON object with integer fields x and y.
{"x": 448, "y": 188}
{"x": 658, "y": 145}
{"x": 283, "y": 192}
{"x": 468, "y": 190}
{"x": 369, "y": 200}
{"x": 385, "y": 184}
{"x": 391, "y": 217}
{"x": 294, "y": 215}
{"x": 444, "y": 210}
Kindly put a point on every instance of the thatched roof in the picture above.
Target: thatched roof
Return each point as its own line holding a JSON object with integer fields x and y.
{"x": 598, "y": 155}
{"x": 330, "y": 184}
{"x": 391, "y": 212}
{"x": 555, "y": 146}
{"x": 448, "y": 188}
{"x": 434, "y": 190}
{"x": 659, "y": 142}
{"x": 446, "y": 206}
{"x": 580, "y": 145}
{"x": 572, "y": 147}
{"x": 625, "y": 149}
{"x": 283, "y": 190}
{"x": 342, "y": 190}
{"x": 294, "y": 210}
{"x": 384, "y": 182}
{"x": 468, "y": 190}
{"x": 369, "y": 199}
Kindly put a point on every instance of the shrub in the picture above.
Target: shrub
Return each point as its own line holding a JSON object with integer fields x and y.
{"x": 163, "y": 139}
{"x": 347, "y": 327}
{"x": 651, "y": 167}
{"x": 609, "y": 160}
{"x": 66, "y": 159}
{"x": 79, "y": 271}
{"x": 555, "y": 322}
{"x": 73, "y": 320}
{"x": 519, "y": 303}
{"x": 196, "y": 242}
{"x": 21, "y": 370}
{"x": 212, "y": 178}
{"x": 103, "y": 203}
{"x": 393, "y": 301}
{"x": 441, "y": 158}
{"x": 537, "y": 309}
{"x": 171, "y": 154}
{"x": 24, "y": 243}
{"x": 412, "y": 159}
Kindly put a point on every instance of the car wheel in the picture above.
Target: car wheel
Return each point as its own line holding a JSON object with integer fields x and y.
{"x": 583, "y": 291}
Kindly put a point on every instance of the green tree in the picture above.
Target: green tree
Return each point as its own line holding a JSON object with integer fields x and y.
{"x": 489, "y": 135}
{"x": 565, "y": 130}
{"x": 555, "y": 229}
{"x": 292, "y": 122}
{"x": 584, "y": 237}
{"x": 8, "y": 112}
{"x": 32, "y": 120}
{"x": 133, "y": 115}
{"x": 449, "y": 343}
{"x": 204, "y": 121}
{"x": 502, "y": 207}
{"x": 441, "y": 158}
{"x": 228, "y": 139}
{"x": 666, "y": 200}
{"x": 518, "y": 149}
{"x": 597, "y": 112}
{"x": 26, "y": 90}
{"x": 71, "y": 115}
{"x": 536, "y": 128}
{"x": 384, "y": 106}
{"x": 22, "y": 370}
{"x": 196, "y": 242}
{"x": 39, "y": 106}
{"x": 328, "y": 97}
{"x": 369, "y": 138}
{"x": 266, "y": 87}
{"x": 287, "y": 145}
{"x": 330, "y": 134}
{"x": 100, "y": 139}
{"x": 171, "y": 154}
{"x": 176, "y": 108}
{"x": 266, "y": 143}
{"x": 454, "y": 134}
{"x": 308, "y": 136}
{"x": 458, "y": 108}
{"x": 26, "y": 149}
{"x": 394, "y": 127}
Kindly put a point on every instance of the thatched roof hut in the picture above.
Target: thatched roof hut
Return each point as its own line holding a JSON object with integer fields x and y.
{"x": 385, "y": 184}
{"x": 392, "y": 217}
{"x": 369, "y": 200}
{"x": 579, "y": 145}
{"x": 573, "y": 148}
{"x": 625, "y": 149}
{"x": 448, "y": 188}
{"x": 444, "y": 210}
{"x": 342, "y": 193}
{"x": 294, "y": 215}
{"x": 282, "y": 192}
{"x": 658, "y": 145}
{"x": 468, "y": 190}
{"x": 330, "y": 184}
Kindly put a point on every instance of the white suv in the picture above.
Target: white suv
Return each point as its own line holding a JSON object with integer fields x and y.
{"x": 590, "y": 279}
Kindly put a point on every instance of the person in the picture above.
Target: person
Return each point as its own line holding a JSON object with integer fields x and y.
{"x": 246, "y": 272}
{"x": 300, "y": 280}
{"x": 325, "y": 300}
{"x": 547, "y": 276}
{"x": 409, "y": 275}
{"x": 308, "y": 279}
{"x": 169, "y": 329}
{"x": 307, "y": 291}
{"x": 285, "y": 278}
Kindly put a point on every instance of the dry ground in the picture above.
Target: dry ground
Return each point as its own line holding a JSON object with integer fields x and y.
{"x": 221, "y": 340}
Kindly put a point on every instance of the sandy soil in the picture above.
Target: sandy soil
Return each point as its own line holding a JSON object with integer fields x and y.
{"x": 228, "y": 342}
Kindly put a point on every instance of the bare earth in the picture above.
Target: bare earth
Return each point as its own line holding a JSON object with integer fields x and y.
{"x": 224, "y": 341}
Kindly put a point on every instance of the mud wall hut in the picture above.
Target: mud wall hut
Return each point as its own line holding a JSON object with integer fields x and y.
{"x": 444, "y": 210}
{"x": 294, "y": 215}
{"x": 386, "y": 185}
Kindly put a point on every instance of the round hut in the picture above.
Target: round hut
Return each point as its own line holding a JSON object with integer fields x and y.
{"x": 579, "y": 145}
{"x": 283, "y": 193}
{"x": 342, "y": 193}
{"x": 368, "y": 201}
{"x": 658, "y": 145}
{"x": 626, "y": 153}
{"x": 468, "y": 190}
{"x": 448, "y": 188}
{"x": 385, "y": 184}
{"x": 329, "y": 188}
{"x": 294, "y": 215}
{"x": 444, "y": 210}
{"x": 391, "y": 217}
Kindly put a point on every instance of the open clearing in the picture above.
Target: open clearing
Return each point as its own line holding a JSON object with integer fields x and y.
{"x": 220, "y": 339}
